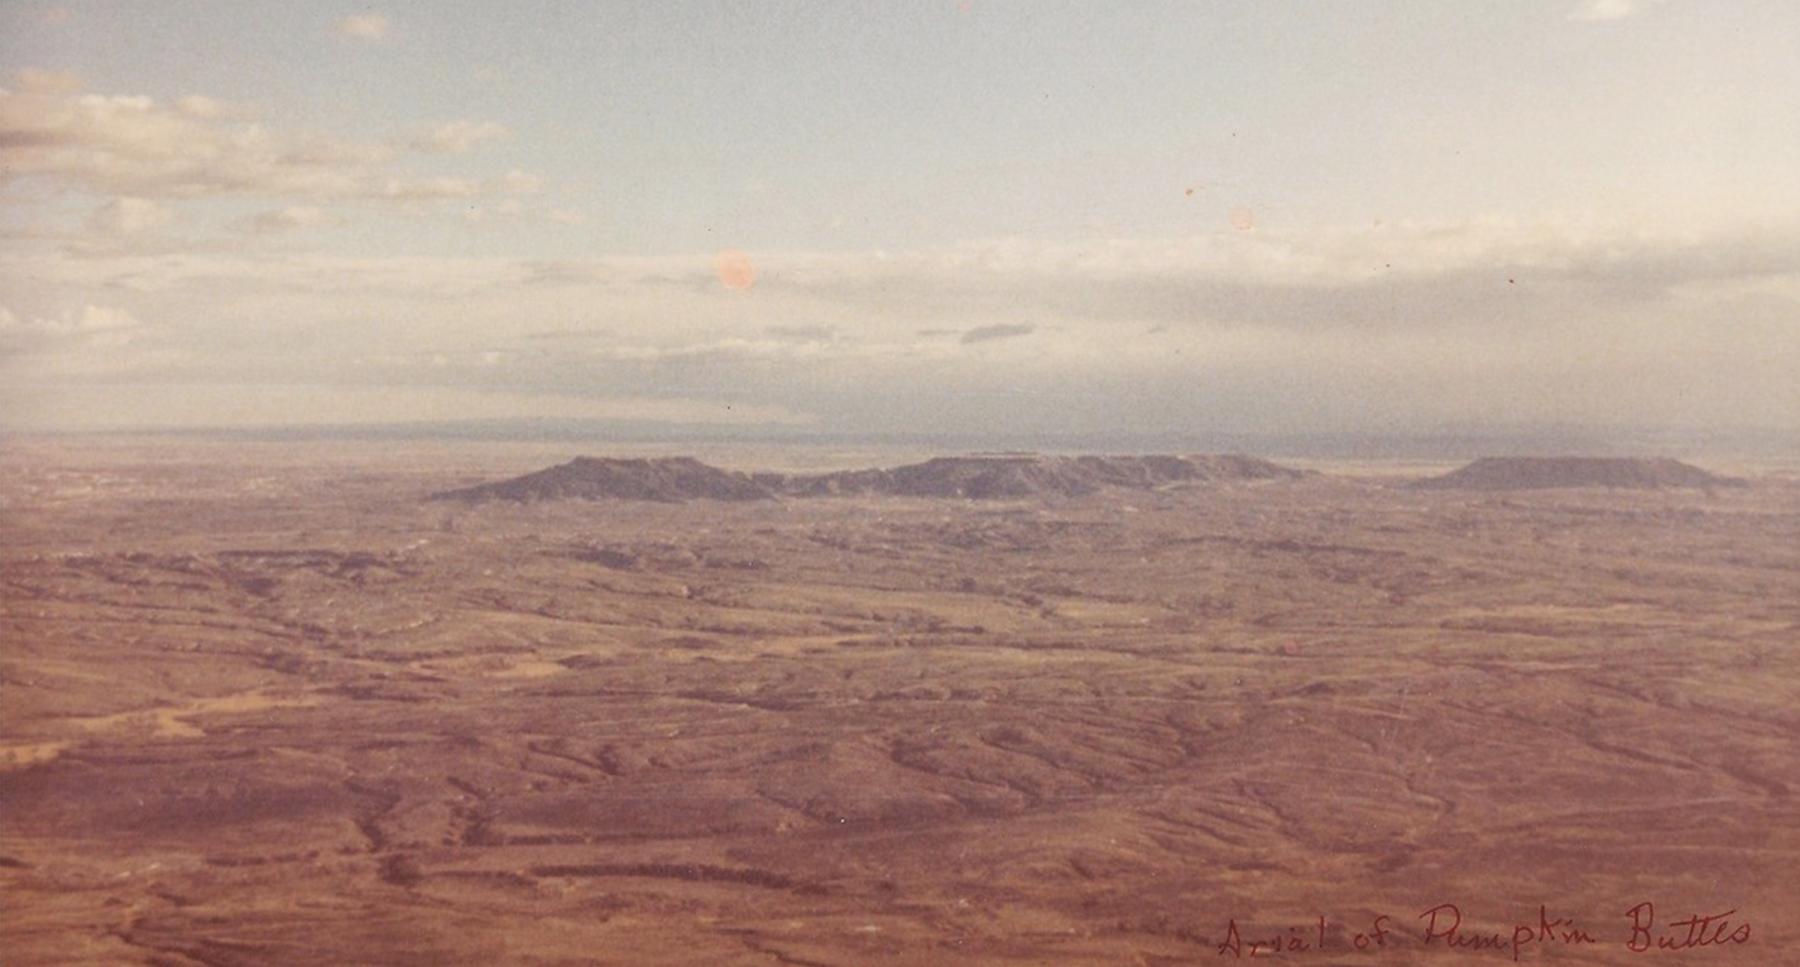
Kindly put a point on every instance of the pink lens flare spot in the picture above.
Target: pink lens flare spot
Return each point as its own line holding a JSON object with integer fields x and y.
{"x": 735, "y": 269}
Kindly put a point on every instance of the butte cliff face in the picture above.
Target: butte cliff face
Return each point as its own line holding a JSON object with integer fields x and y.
{"x": 1541, "y": 473}
{"x": 981, "y": 477}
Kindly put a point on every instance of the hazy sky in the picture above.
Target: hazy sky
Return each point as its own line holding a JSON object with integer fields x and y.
{"x": 926, "y": 215}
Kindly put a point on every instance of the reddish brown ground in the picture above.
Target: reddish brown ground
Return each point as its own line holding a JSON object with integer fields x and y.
{"x": 264, "y": 705}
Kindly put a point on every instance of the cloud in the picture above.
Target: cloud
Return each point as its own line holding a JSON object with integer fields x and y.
{"x": 83, "y": 331}
{"x": 454, "y": 137}
{"x": 93, "y": 319}
{"x": 991, "y": 333}
{"x": 1406, "y": 325}
{"x": 283, "y": 220}
{"x": 128, "y": 216}
{"x": 199, "y": 106}
{"x": 479, "y": 213}
{"x": 1102, "y": 278}
{"x": 511, "y": 209}
{"x": 516, "y": 182}
{"x": 199, "y": 147}
{"x": 429, "y": 189}
{"x": 34, "y": 80}
{"x": 1595, "y": 11}
{"x": 276, "y": 404}
{"x": 571, "y": 334}
{"x": 366, "y": 27}
{"x": 802, "y": 333}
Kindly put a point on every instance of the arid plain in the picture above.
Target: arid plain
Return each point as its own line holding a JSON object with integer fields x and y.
{"x": 271, "y": 704}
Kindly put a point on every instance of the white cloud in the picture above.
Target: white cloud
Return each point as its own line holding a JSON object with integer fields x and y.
{"x": 274, "y": 404}
{"x": 199, "y": 147}
{"x": 35, "y": 80}
{"x": 284, "y": 220}
{"x": 367, "y": 27}
{"x": 453, "y": 137}
{"x": 429, "y": 189}
{"x": 94, "y": 318}
{"x": 1594, "y": 11}
{"x": 128, "y": 216}
{"x": 200, "y": 106}
{"x": 87, "y": 328}
{"x": 517, "y": 182}
{"x": 1515, "y": 319}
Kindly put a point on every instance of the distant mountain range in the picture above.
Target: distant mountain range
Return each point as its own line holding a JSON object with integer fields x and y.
{"x": 1005, "y": 476}
{"x": 978, "y": 477}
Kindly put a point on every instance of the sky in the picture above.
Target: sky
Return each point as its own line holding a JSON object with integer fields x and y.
{"x": 957, "y": 216}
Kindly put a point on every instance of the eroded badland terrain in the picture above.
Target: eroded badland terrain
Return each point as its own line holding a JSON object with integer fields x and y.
{"x": 275, "y": 705}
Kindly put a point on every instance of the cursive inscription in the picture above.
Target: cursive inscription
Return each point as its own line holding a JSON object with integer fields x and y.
{"x": 1443, "y": 927}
